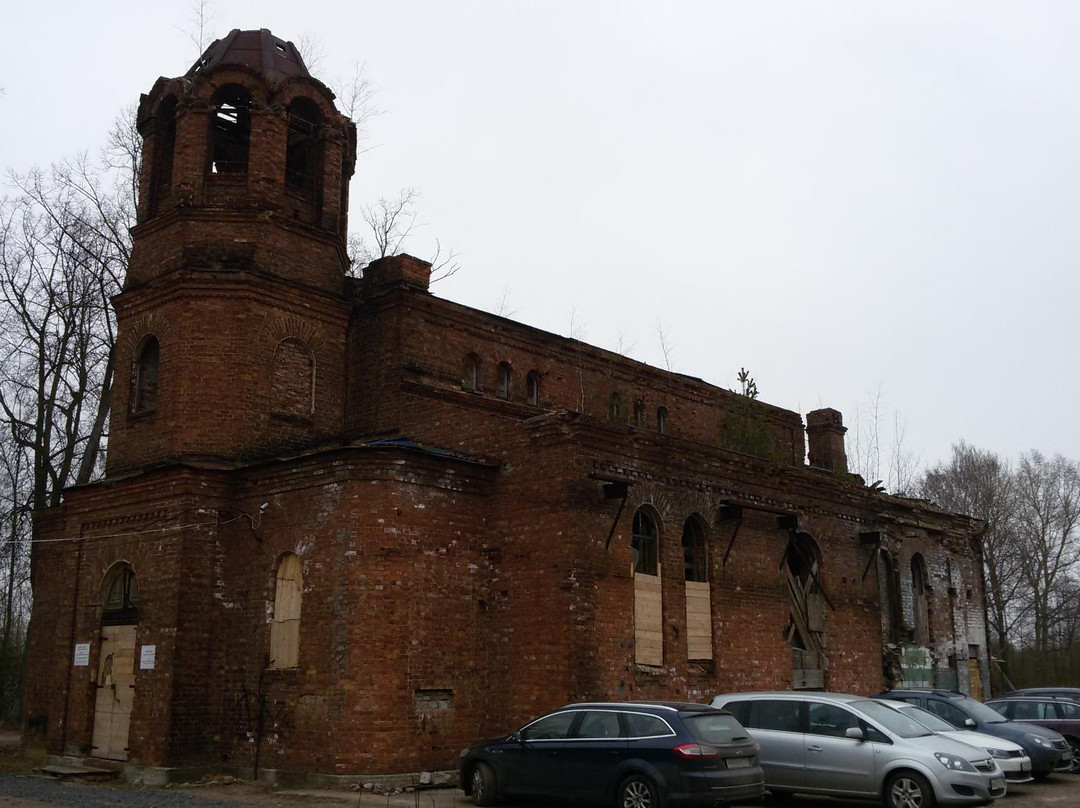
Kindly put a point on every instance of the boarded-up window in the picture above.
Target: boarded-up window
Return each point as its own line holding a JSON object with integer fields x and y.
{"x": 648, "y": 603}
{"x": 285, "y": 630}
{"x": 806, "y": 631}
{"x": 698, "y": 599}
{"x": 294, "y": 378}
{"x": 145, "y": 377}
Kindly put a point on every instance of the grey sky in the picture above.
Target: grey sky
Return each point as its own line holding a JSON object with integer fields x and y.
{"x": 841, "y": 197}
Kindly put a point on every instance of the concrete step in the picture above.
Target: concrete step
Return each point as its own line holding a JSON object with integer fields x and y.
{"x": 63, "y": 772}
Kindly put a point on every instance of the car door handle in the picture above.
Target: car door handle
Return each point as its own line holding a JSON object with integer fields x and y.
{"x": 813, "y": 748}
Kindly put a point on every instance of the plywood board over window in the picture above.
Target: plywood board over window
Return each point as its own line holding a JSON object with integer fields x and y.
{"x": 648, "y": 620}
{"x": 698, "y": 621}
{"x": 285, "y": 630}
{"x": 115, "y": 693}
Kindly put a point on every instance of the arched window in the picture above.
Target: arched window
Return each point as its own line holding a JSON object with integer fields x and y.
{"x": 121, "y": 603}
{"x": 285, "y": 630}
{"x": 293, "y": 384}
{"x": 144, "y": 380}
{"x": 163, "y": 159}
{"x": 532, "y": 385}
{"x": 303, "y": 152}
{"x": 806, "y": 630}
{"x": 698, "y": 598}
{"x": 661, "y": 420}
{"x": 502, "y": 380}
{"x": 693, "y": 544}
{"x": 230, "y": 136}
{"x": 639, "y": 412}
{"x": 644, "y": 546}
{"x": 471, "y": 378}
{"x": 920, "y": 617}
{"x": 890, "y": 604}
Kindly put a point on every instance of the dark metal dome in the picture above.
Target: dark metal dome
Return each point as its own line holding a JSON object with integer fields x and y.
{"x": 275, "y": 58}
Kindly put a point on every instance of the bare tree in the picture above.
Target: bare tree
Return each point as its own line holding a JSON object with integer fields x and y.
{"x": 1047, "y": 519}
{"x": 666, "y": 346}
{"x": 199, "y": 27}
{"x": 979, "y": 483}
{"x": 389, "y": 224}
{"x": 877, "y": 450}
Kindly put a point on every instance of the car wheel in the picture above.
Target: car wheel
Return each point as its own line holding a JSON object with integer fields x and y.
{"x": 637, "y": 791}
{"x": 1076, "y": 756}
{"x": 482, "y": 783}
{"x": 908, "y": 790}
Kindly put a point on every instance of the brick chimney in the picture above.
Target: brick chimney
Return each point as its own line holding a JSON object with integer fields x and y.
{"x": 397, "y": 270}
{"x": 825, "y": 433}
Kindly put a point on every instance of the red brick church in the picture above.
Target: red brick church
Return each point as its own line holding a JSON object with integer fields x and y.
{"x": 347, "y": 526}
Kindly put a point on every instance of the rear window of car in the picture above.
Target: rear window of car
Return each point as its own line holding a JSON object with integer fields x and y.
{"x": 776, "y": 714}
{"x": 643, "y": 725}
{"x": 715, "y": 728}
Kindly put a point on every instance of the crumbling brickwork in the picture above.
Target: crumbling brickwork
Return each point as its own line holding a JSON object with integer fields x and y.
{"x": 463, "y": 532}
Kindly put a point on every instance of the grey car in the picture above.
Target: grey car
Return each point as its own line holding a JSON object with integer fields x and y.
{"x": 849, "y": 746}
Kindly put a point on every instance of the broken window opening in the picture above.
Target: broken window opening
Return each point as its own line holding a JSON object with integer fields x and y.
{"x": 502, "y": 380}
{"x": 121, "y": 603}
{"x": 693, "y": 544}
{"x": 806, "y": 628}
{"x": 285, "y": 630}
{"x": 471, "y": 378}
{"x": 920, "y": 617}
{"x": 890, "y": 603}
{"x": 231, "y": 131}
{"x": 145, "y": 377}
{"x": 661, "y": 420}
{"x": 644, "y": 547}
{"x": 639, "y": 412}
{"x": 161, "y": 184}
{"x": 532, "y": 384}
{"x": 302, "y": 151}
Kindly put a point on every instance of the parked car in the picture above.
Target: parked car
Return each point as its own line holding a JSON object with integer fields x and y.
{"x": 1072, "y": 693}
{"x": 1057, "y": 714}
{"x": 850, "y": 746}
{"x": 630, "y": 754}
{"x": 1011, "y": 757}
{"x": 1048, "y": 750}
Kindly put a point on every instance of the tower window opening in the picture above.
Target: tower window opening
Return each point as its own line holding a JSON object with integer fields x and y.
{"x": 503, "y": 376}
{"x": 532, "y": 384}
{"x": 302, "y": 149}
{"x": 145, "y": 377}
{"x": 231, "y": 134}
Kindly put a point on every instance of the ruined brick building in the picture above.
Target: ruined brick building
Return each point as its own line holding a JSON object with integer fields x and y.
{"x": 348, "y": 526}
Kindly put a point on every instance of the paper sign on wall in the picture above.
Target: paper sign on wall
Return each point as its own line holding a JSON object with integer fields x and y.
{"x": 82, "y": 655}
{"x": 147, "y": 657}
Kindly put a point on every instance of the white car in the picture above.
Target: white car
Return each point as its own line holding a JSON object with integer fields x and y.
{"x": 1011, "y": 757}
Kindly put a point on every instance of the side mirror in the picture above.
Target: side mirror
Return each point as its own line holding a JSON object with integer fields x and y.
{"x": 854, "y": 732}
{"x": 970, "y": 722}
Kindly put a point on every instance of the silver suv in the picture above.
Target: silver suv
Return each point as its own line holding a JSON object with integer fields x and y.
{"x": 849, "y": 746}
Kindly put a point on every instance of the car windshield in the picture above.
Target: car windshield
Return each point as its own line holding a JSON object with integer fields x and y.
{"x": 715, "y": 728}
{"x": 896, "y": 722}
{"x": 931, "y": 721}
{"x": 979, "y": 711}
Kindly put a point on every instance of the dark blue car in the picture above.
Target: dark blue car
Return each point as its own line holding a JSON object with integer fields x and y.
{"x": 626, "y": 754}
{"x": 1048, "y": 750}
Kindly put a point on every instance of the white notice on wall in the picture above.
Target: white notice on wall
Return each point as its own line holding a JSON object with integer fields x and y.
{"x": 147, "y": 657}
{"x": 82, "y": 655}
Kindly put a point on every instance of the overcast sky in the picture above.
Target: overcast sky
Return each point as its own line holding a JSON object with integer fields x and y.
{"x": 853, "y": 200}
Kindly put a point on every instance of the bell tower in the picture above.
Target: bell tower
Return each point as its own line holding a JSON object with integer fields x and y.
{"x": 231, "y": 323}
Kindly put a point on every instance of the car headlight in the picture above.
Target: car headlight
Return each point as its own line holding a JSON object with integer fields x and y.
{"x": 1040, "y": 741}
{"x": 997, "y": 753}
{"x": 954, "y": 762}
